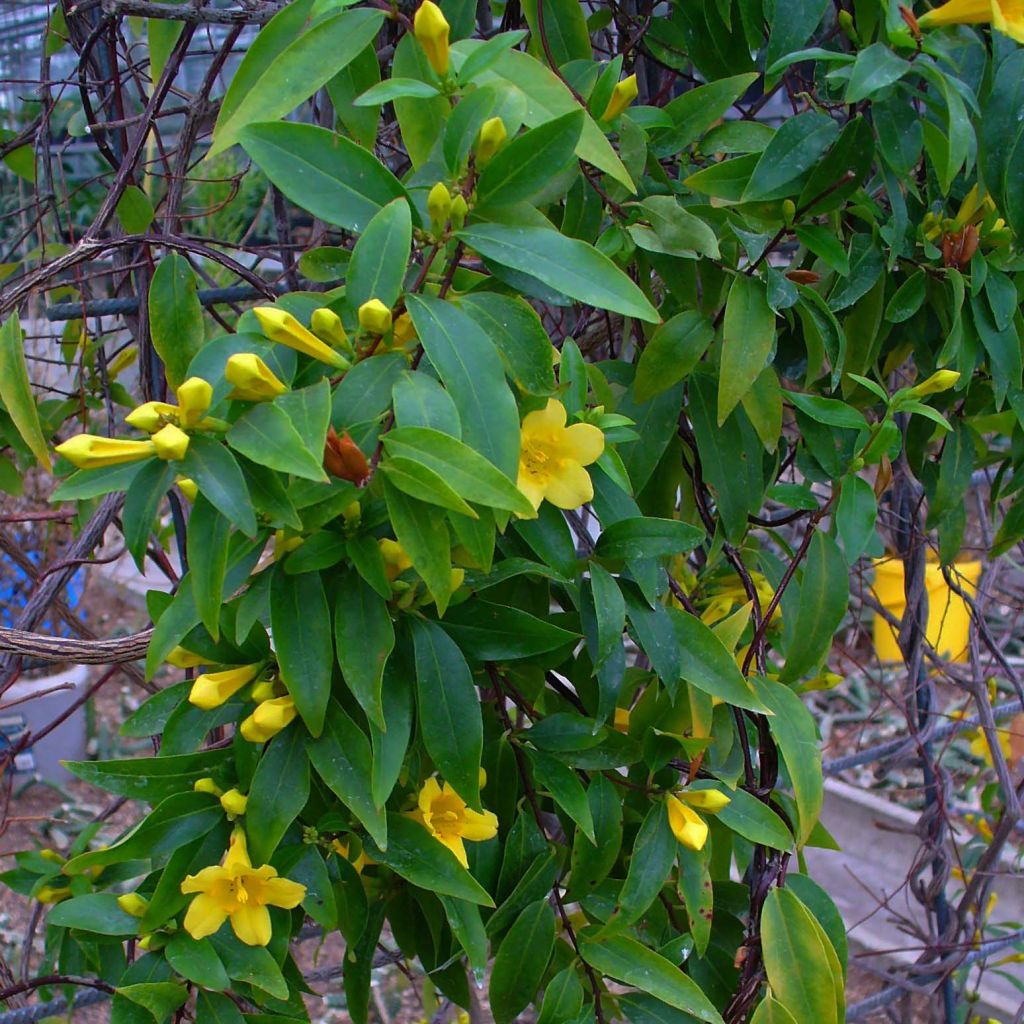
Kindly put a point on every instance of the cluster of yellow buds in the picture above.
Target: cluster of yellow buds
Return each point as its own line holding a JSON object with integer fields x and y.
{"x": 233, "y": 801}
{"x": 280, "y": 326}
{"x": 976, "y": 221}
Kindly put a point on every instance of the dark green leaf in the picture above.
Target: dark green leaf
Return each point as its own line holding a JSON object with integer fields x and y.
{"x": 278, "y": 792}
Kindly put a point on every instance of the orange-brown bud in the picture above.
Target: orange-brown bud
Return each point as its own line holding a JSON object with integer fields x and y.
{"x": 343, "y": 458}
{"x": 803, "y": 276}
{"x": 908, "y": 16}
{"x": 958, "y": 247}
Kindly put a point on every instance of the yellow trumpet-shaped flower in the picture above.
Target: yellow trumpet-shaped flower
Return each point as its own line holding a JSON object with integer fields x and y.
{"x": 170, "y": 442}
{"x": 447, "y": 818}
{"x": 151, "y": 416}
{"x": 374, "y": 316}
{"x": 940, "y": 380}
{"x": 269, "y": 718}
{"x": 238, "y": 892}
{"x": 431, "y": 30}
{"x": 180, "y": 658}
{"x": 194, "y": 397}
{"x": 687, "y": 825}
{"x": 1006, "y": 16}
{"x": 252, "y": 379}
{"x": 622, "y": 96}
{"x": 327, "y": 325}
{"x": 552, "y": 457}
{"x": 489, "y": 141}
{"x": 280, "y": 326}
{"x": 212, "y": 689}
{"x": 89, "y": 451}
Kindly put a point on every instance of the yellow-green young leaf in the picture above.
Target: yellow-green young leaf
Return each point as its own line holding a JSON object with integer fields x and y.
{"x": 771, "y": 1011}
{"x": 175, "y": 316}
{"x": 749, "y": 334}
{"x": 16, "y": 391}
{"x": 521, "y": 961}
{"x": 795, "y": 959}
{"x": 294, "y": 72}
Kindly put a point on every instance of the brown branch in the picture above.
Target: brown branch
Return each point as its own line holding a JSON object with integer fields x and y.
{"x": 258, "y": 14}
{"x": 113, "y": 651}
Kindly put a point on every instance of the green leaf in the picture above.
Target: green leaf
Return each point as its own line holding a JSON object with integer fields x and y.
{"x": 795, "y": 960}
{"x": 563, "y": 998}
{"x": 251, "y": 965}
{"x": 674, "y": 350}
{"x": 696, "y": 110}
{"x": 175, "y": 316}
{"x": 566, "y": 264}
{"x": 421, "y": 120}
{"x": 381, "y": 256}
{"x": 748, "y": 816}
{"x": 197, "y": 961}
{"x": 824, "y": 595}
{"x": 795, "y": 148}
{"x": 468, "y": 473}
{"x": 208, "y": 535}
{"x": 294, "y": 73}
{"x": 95, "y": 912}
{"x": 521, "y": 961}
{"x": 323, "y": 172}
{"x": 213, "y": 1008}
{"x": 352, "y": 81}
{"x": 421, "y": 402}
{"x": 654, "y": 853}
{"x": 422, "y": 482}
{"x": 522, "y": 169}
{"x": 218, "y": 477}
{"x": 266, "y": 435}
{"x": 748, "y": 340}
{"x": 484, "y": 56}
{"x": 468, "y": 928}
{"x": 147, "y": 778}
{"x": 141, "y": 504}
{"x": 449, "y": 710}
{"x": 629, "y": 961}
{"x": 792, "y": 24}
{"x": 16, "y": 390}
{"x": 421, "y": 859}
{"x": 828, "y": 410}
{"x": 396, "y": 88}
{"x": 424, "y": 536}
{"x": 609, "y": 613}
{"x": 856, "y": 515}
{"x": 278, "y": 792}
{"x": 494, "y": 632}
{"x": 698, "y": 894}
{"x": 389, "y": 747}
{"x": 471, "y": 370}
{"x": 159, "y": 998}
{"x": 365, "y": 638}
{"x": 591, "y": 862}
{"x": 341, "y": 757}
{"x": 565, "y": 788}
{"x": 677, "y": 231}
{"x": 647, "y": 537}
{"x": 771, "y": 1011}
{"x": 301, "y": 621}
{"x": 90, "y": 483}
{"x": 134, "y": 210}
{"x": 876, "y": 68}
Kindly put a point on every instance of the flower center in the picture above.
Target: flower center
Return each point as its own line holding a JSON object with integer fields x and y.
{"x": 537, "y": 457}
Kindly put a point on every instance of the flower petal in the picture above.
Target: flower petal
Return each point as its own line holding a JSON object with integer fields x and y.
{"x": 282, "y": 892}
{"x": 551, "y": 417}
{"x": 454, "y": 843}
{"x": 204, "y": 916}
{"x": 570, "y": 485}
{"x": 252, "y": 925}
{"x": 428, "y": 794}
{"x": 479, "y": 827}
{"x": 238, "y": 853}
{"x": 531, "y": 487}
{"x": 201, "y": 881}
{"x": 583, "y": 442}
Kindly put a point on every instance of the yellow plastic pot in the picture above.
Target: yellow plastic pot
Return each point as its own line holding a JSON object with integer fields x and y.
{"x": 949, "y": 618}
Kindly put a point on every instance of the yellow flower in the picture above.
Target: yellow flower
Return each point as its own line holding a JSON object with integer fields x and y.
{"x": 374, "y": 316}
{"x": 53, "y": 894}
{"x": 622, "y": 96}
{"x": 403, "y": 332}
{"x": 212, "y": 689}
{"x": 439, "y": 205}
{"x": 622, "y": 720}
{"x": 687, "y": 825}
{"x": 180, "y": 658}
{"x": 188, "y": 487}
{"x": 1006, "y": 15}
{"x": 170, "y": 442}
{"x": 431, "y": 29}
{"x": 151, "y": 416}
{"x": 89, "y": 451}
{"x": 207, "y": 785}
{"x": 940, "y": 380}
{"x": 327, "y": 324}
{"x": 489, "y": 141}
{"x": 445, "y": 815}
{"x": 280, "y": 326}
{"x": 194, "y": 397}
{"x": 552, "y": 457}
{"x": 396, "y": 561}
{"x": 342, "y": 849}
{"x": 269, "y": 718}
{"x": 252, "y": 379}
{"x": 234, "y": 803}
{"x": 132, "y": 903}
{"x": 239, "y": 892}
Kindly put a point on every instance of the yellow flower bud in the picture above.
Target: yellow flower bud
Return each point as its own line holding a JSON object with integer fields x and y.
{"x": 52, "y": 856}
{"x": 374, "y": 316}
{"x": 122, "y": 361}
{"x": 53, "y": 894}
{"x": 268, "y": 719}
{"x": 265, "y": 689}
{"x": 151, "y": 416}
{"x": 207, "y": 785}
{"x": 622, "y": 720}
{"x": 622, "y": 96}
{"x": 439, "y": 205}
{"x": 404, "y": 332}
{"x": 188, "y": 487}
{"x": 280, "y": 326}
{"x": 180, "y": 658}
{"x": 88, "y": 451}
{"x": 489, "y": 141}
{"x": 709, "y": 800}
{"x": 396, "y": 561}
{"x": 431, "y": 30}
{"x": 940, "y": 380}
{"x": 459, "y": 212}
{"x": 194, "y": 397}
{"x": 234, "y": 803}
{"x": 170, "y": 442}
{"x": 252, "y": 379}
{"x": 132, "y": 903}
{"x": 283, "y": 543}
{"x": 212, "y": 689}
{"x": 327, "y": 325}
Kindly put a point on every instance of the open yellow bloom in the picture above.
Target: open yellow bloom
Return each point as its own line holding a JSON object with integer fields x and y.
{"x": 89, "y": 451}
{"x": 431, "y": 30}
{"x": 269, "y": 718}
{"x": 252, "y": 379}
{"x": 151, "y": 416}
{"x": 687, "y": 825}
{"x": 489, "y": 141}
{"x": 280, "y": 326}
{"x": 194, "y": 397}
{"x": 170, "y": 442}
{"x": 445, "y": 815}
{"x": 374, "y": 316}
{"x": 239, "y": 892}
{"x": 622, "y": 96}
{"x": 552, "y": 457}
{"x": 212, "y": 689}
{"x": 1007, "y": 16}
